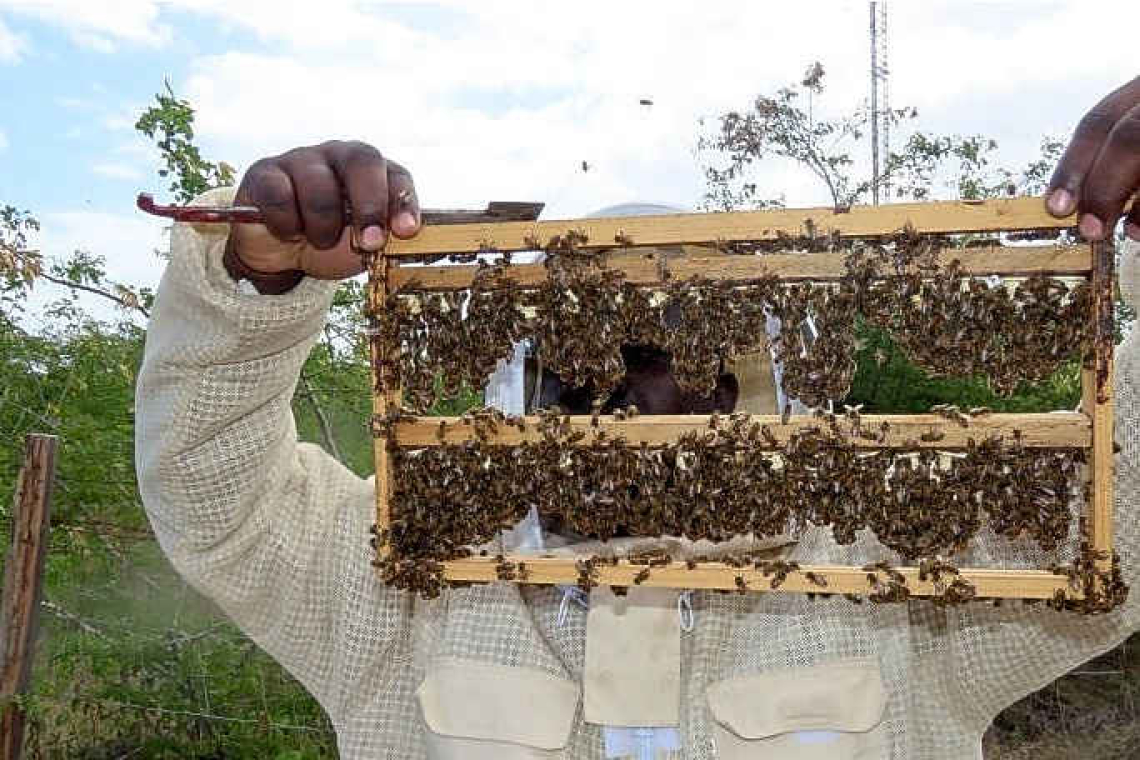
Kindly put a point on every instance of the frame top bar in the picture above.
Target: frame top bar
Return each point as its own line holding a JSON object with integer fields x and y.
{"x": 1026, "y": 213}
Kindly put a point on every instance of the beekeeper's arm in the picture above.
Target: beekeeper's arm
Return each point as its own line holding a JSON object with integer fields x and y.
{"x": 275, "y": 532}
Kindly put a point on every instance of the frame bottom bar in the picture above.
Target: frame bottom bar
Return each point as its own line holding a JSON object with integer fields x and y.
{"x": 841, "y": 579}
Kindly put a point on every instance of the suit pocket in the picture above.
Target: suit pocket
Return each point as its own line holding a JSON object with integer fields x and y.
{"x": 478, "y": 711}
{"x": 829, "y": 711}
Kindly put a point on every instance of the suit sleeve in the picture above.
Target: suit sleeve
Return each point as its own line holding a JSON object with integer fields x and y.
{"x": 274, "y": 531}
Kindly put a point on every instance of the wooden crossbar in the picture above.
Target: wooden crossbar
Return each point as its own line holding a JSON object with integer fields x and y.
{"x": 646, "y": 268}
{"x": 1050, "y": 430}
{"x": 1090, "y": 428}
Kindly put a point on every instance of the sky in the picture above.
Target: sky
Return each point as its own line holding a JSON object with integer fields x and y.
{"x": 502, "y": 100}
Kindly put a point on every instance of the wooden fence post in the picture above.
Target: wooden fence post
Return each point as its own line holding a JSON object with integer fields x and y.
{"x": 23, "y": 582}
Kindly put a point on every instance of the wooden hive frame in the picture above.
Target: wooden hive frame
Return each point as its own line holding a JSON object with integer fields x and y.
{"x": 1090, "y": 428}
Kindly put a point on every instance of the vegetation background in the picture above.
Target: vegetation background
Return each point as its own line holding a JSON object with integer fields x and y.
{"x": 134, "y": 664}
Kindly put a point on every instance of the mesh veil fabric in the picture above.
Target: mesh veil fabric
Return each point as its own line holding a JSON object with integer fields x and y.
{"x": 276, "y": 533}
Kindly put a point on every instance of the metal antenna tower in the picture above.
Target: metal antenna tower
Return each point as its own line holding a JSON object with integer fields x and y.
{"x": 880, "y": 101}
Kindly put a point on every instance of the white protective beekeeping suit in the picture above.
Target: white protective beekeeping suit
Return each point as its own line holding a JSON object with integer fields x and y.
{"x": 275, "y": 532}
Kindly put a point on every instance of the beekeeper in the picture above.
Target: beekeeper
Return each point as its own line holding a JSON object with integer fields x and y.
{"x": 276, "y": 533}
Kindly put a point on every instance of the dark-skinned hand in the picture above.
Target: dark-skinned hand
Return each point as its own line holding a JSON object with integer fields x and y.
{"x": 1100, "y": 170}
{"x": 303, "y": 195}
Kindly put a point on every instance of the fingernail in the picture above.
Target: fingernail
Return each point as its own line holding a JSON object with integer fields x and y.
{"x": 372, "y": 238}
{"x": 1091, "y": 227}
{"x": 406, "y": 221}
{"x": 1132, "y": 230}
{"x": 1060, "y": 202}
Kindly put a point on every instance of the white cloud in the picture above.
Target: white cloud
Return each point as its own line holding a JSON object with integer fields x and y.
{"x": 12, "y": 46}
{"x": 93, "y": 41}
{"x": 945, "y": 50}
{"x": 99, "y": 26}
{"x": 502, "y": 102}
{"x": 117, "y": 171}
{"x": 518, "y": 99}
{"x": 515, "y": 100}
{"x": 497, "y": 101}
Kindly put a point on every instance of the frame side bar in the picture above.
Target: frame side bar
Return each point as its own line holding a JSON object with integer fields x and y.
{"x": 383, "y": 399}
{"x": 1098, "y": 403}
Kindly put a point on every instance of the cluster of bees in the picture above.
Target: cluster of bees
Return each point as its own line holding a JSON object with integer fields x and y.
{"x": 1096, "y": 590}
{"x": 733, "y": 479}
{"x": 950, "y": 324}
{"x": 437, "y": 344}
{"x": 584, "y": 312}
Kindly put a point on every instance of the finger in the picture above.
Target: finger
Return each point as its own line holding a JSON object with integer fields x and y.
{"x": 363, "y": 172}
{"x": 1113, "y": 179}
{"x": 335, "y": 263}
{"x": 403, "y": 204}
{"x": 267, "y": 186}
{"x": 318, "y": 197}
{"x": 1065, "y": 188}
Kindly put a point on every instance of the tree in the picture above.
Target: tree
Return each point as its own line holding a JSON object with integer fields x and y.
{"x": 778, "y": 125}
{"x": 171, "y": 124}
{"x": 787, "y": 125}
{"x": 134, "y": 664}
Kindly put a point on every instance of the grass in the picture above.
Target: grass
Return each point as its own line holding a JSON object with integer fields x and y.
{"x": 132, "y": 663}
{"x": 1092, "y": 712}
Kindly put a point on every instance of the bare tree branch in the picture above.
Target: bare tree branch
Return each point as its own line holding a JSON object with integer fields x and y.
{"x": 322, "y": 419}
{"x": 129, "y": 304}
